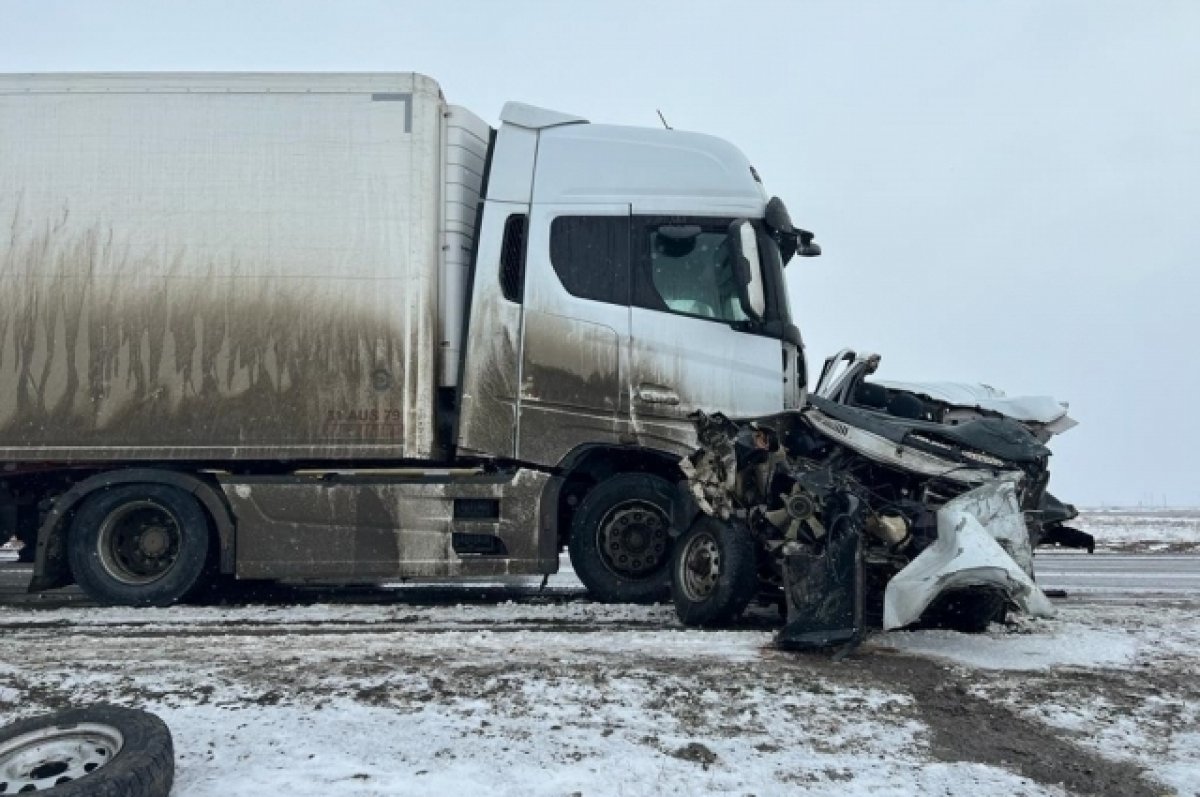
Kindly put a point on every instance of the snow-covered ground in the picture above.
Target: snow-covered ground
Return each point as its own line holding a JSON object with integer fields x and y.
{"x": 561, "y": 696}
{"x": 554, "y": 698}
{"x": 1143, "y": 529}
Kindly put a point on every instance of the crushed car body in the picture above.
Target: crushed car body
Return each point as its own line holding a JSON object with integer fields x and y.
{"x": 981, "y": 545}
{"x": 844, "y": 380}
{"x": 853, "y": 516}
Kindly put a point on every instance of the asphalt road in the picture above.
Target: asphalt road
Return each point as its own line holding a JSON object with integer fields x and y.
{"x": 1082, "y": 576}
{"x": 1120, "y": 574}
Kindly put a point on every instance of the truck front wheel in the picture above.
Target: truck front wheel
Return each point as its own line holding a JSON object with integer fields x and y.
{"x": 620, "y": 542}
{"x": 138, "y": 545}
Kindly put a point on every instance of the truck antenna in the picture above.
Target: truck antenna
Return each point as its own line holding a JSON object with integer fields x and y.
{"x": 663, "y": 118}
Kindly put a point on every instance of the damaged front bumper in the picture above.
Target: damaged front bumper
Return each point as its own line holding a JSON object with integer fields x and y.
{"x": 982, "y": 547}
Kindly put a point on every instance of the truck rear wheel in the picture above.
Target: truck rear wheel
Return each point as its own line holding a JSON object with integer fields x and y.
{"x": 714, "y": 573}
{"x": 621, "y": 539}
{"x": 138, "y": 545}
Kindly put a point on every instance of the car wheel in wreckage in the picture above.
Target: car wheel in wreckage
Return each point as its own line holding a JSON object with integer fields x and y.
{"x": 620, "y": 542}
{"x": 714, "y": 573}
{"x": 970, "y": 611}
{"x": 100, "y": 751}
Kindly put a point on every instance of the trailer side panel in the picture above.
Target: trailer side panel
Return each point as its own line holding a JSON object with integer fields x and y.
{"x": 206, "y": 266}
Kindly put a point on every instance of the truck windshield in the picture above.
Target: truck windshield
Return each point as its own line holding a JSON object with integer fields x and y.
{"x": 695, "y": 275}
{"x": 684, "y": 266}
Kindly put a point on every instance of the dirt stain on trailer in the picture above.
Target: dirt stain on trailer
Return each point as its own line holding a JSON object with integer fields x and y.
{"x": 101, "y": 348}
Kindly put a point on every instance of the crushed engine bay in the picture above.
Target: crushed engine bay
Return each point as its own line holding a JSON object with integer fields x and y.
{"x": 862, "y": 518}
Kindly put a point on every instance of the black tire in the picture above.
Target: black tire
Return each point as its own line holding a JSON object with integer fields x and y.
{"x": 620, "y": 541}
{"x": 714, "y": 573}
{"x": 139, "y": 545}
{"x": 100, "y": 751}
{"x": 969, "y": 611}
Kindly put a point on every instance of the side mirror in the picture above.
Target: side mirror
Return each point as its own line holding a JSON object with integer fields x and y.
{"x": 747, "y": 268}
{"x": 808, "y": 247}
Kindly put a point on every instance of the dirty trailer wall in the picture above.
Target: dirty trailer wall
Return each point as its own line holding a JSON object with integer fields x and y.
{"x": 198, "y": 272}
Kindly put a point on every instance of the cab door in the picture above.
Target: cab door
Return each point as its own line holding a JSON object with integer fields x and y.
{"x": 575, "y": 329}
{"x": 691, "y": 345}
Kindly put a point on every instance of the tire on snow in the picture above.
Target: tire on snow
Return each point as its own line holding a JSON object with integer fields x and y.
{"x": 100, "y": 751}
{"x": 139, "y": 545}
{"x": 714, "y": 573}
{"x": 970, "y": 611}
{"x": 620, "y": 541}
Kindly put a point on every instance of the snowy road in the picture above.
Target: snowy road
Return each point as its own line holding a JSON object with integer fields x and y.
{"x": 1107, "y": 574}
{"x": 557, "y": 699}
{"x": 1082, "y": 575}
{"x": 417, "y": 692}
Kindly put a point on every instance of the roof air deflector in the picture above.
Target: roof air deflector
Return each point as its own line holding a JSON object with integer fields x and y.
{"x": 535, "y": 118}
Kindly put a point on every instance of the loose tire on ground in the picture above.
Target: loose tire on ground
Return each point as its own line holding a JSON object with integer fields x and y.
{"x": 139, "y": 545}
{"x": 101, "y": 751}
{"x": 714, "y": 573}
{"x": 620, "y": 541}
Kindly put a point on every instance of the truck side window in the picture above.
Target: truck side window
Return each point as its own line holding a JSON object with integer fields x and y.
{"x": 685, "y": 266}
{"x": 512, "y": 258}
{"x": 590, "y": 254}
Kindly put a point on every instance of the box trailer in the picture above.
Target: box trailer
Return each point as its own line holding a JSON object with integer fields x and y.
{"x": 331, "y": 327}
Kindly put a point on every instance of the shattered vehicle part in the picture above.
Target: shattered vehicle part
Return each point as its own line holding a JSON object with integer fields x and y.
{"x": 844, "y": 381}
{"x": 1047, "y": 523}
{"x": 839, "y": 500}
{"x": 824, "y": 588}
{"x": 981, "y": 545}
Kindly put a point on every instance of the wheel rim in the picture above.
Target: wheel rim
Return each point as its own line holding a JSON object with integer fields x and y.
{"x": 632, "y": 539}
{"x": 701, "y": 558}
{"x": 139, "y": 542}
{"x": 49, "y": 757}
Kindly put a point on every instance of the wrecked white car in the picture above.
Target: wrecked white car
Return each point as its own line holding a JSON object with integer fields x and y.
{"x": 844, "y": 380}
{"x": 853, "y": 515}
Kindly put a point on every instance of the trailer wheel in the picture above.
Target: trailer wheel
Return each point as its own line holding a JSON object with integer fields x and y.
{"x": 101, "y": 751}
{"x": 714, "y": 573}
{"x": 620, "y": 542}
{"x": 139, "y": 545}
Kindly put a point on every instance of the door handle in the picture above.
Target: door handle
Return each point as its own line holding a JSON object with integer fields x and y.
{"x": 656, "y": 394}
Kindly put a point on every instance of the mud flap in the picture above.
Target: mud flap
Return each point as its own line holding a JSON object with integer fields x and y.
{"x": 825, "y": 592}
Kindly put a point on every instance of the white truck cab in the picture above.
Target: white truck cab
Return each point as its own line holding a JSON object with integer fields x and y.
{"x": 625, "y": 314}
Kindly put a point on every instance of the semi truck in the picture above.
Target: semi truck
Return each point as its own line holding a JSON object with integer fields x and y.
{"x": 332, "y": 328}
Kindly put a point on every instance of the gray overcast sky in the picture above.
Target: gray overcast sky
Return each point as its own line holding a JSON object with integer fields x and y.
{"x": 1006, "y": 192}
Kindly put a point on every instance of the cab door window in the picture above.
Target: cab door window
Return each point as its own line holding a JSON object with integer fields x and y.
{"x": 685, "y": 266}
{"x": 590, "y": 255}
